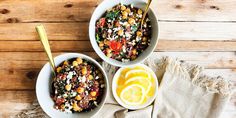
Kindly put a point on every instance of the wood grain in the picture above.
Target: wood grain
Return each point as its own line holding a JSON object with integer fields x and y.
{"x": 163, "y": 45}
{"x": 17, "y": 101}
{"x": 81, "y": 10}
{"x": 14, "y": 11}
{"x": 195, "y": 10}
{"x": 35, "y": 60}
{"x": 79, "y": 31}
{"x": 21, "y": 73}
{"x": 26, "y": 79}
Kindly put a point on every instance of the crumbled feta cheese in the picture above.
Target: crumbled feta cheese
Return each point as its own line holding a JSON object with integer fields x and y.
{"x": 73, "y": 94}
{"x": 96, "y": 77}
{"x": 109, "y": 20}
{"x": 65, "y": 95}
{"x": 83, "y": 79}
{"x": 109, "y": 31}
{"x": 131, "y": 13}
{"x": 132, "y": 5}
{"x": 86, "y": 92}
{"x": 70, "y": 74}
{"x": 128, "y": 35}
{"x": 124, "y": 49}
{"x": 95, "y": 103}
{"x": 138, "y": 39}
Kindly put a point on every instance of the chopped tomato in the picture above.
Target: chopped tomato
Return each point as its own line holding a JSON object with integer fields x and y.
{"x": 115, "y": 45}
{"x": 102, "y": 22}
{"x": 59, "y": 101}
{"x": 116, "y": 52}
{"x": 123, "y": 40}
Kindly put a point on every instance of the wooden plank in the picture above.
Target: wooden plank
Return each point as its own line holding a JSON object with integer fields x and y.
{"x": 14, "y": 11}
{"x": 79, "y": 31}
{"x": 13, "y": 102}
{"x": 163, "y": 45}
{"x": 197, "y": 30}
{"x": 81, "y": 10}
{"x": 55, "y": 31}
{"x": 23, "y": 70}
{"x": 35, "y": 60}
{"x": 26, "y": 79}
{"x": 195, "y": 10}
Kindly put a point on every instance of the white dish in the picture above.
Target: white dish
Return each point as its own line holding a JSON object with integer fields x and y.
{"x": 43, "y": 87}
{"x": 101, "y": 9}
{"x": 114, "y": 86}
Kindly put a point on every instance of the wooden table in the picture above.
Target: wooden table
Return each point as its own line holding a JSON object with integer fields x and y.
{"x": 196, "y": 31}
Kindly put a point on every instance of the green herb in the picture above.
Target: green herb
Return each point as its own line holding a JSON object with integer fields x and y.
{"x": 97, "y": 38}
{"x": 134, "y": 28}
{"x": 112, "y": 14}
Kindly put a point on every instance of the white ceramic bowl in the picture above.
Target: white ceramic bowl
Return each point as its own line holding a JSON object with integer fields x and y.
{"x": 101, "y": 9}
{"x": 43, "y": 87}
{"x": 114, "y": 87}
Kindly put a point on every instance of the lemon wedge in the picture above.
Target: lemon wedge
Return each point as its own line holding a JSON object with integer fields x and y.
{"x": 137, "y": 72}
{"x": 143, "y": 81}
{"x": 133, "y": 94}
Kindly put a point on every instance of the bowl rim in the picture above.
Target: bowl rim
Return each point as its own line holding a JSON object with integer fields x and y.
{"x": 109, "y": 60}
{"x": 114, "y": 85}
{"x": 70, "y": 56}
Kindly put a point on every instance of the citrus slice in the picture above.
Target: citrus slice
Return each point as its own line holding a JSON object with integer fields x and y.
{"x": 137, "y": 72}
{"x": 143, "y": 81}
{"x": 133, "y": 94}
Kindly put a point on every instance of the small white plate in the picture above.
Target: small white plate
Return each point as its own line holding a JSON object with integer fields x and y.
{"x": 114, "y": 87}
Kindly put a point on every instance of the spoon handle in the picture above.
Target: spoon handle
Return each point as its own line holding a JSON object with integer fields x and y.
{"x": 44, "y": 40}
{"x": 145, "y": 12}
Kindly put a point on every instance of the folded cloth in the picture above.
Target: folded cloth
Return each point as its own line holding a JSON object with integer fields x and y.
{"x": 183, "y": 93}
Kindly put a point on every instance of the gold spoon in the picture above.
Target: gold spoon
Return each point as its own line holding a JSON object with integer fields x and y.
{"x": 44, "y": 40}
{"x": 145, "y": 12}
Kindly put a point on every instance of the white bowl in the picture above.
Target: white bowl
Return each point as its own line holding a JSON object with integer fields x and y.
{"x": 114, "y": 87}
{"x": 101, "y": 9}
{"x": 43, "y": 87}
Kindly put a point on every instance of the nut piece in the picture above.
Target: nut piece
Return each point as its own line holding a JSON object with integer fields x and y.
{"x": 80, "y": 90}
{"x": 75, "y": 63}
{"x": 122, "y": 7}
{"x": 76, "y": 107}
{"x": 68, "y": 87}
{"x": 101, "y": 44}
{"x": 78, "y": 97}
{"x": 144, "y": 39}
{"x": 84, "y": 70}
{"x": 139, "y": 34}
{"x": 66, "y": 63}
{"x": 134, "y": 51}
{"x": 128, "y": 10}
{"x": 58, "y": 69}
{"x": 79, "y": 60}
{"x": 120, "y": 32}
{"x": 93, "y": 93}
{"x": 140, "y": 11}
{"x": 109, "y": 55}
{"x": 90, "y": 77}
{"x": 131, "y": 21}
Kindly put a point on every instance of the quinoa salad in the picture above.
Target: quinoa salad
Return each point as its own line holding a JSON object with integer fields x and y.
{"x": 119, "y": 35}
{"x": 78, "y": 86}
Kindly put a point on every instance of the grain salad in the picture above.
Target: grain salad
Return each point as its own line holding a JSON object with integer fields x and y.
{"x": 119, "y": 35}
{"x": 78, "y": 86}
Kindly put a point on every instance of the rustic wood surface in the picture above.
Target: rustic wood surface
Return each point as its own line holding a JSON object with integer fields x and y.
{"x": 196, "y": 31}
